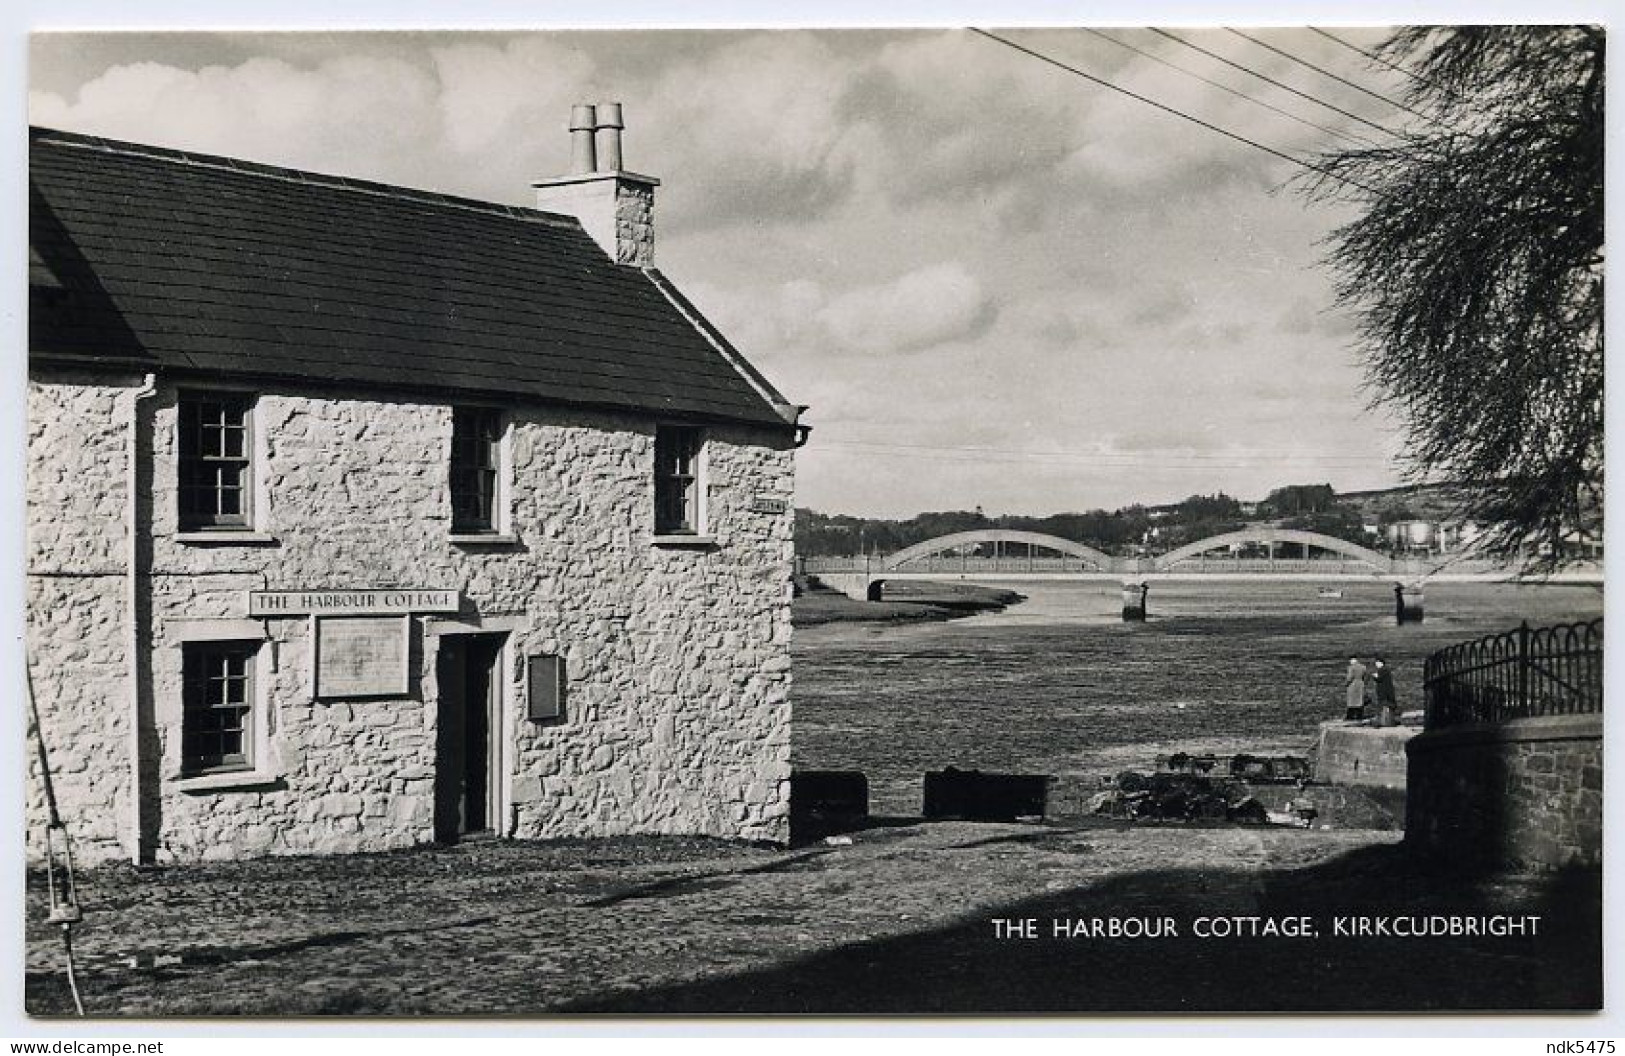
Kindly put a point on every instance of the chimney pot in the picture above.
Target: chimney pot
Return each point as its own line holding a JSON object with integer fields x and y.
{"x": 610, "y": 124}
{"x": 615, "y": 207}
{"x": 583, "y": 149}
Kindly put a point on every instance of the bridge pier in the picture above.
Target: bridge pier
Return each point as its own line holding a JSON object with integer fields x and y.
{"x": 855, "y": 585}
{"x": 1407, "y": 603}
{"x": 1134, "y": 594}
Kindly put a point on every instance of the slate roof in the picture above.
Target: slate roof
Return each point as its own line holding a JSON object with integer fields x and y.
{"x": 190, "y": 264}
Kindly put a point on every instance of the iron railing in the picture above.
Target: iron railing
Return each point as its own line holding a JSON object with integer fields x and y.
{"x": 1524, "y": 673}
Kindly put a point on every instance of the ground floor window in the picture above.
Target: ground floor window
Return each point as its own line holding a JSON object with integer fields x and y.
{"x": 217, "y": 696}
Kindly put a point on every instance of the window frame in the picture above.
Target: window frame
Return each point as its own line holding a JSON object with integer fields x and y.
{"x": 195, "y": 654}
{"x": 188, "y": 454}
{"x": 691, "y": 524}
{"x": 494, "y": 525}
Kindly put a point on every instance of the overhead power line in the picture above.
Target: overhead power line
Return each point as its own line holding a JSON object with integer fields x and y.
{"x": 1327, "y": 73}
{"x": 1271, "y": 80}
{"x": 1344, "y": 133}
{"x": 1165, "y": 108}
{"x": 1193, "y": 460}
{"x": 1373, "y": 56}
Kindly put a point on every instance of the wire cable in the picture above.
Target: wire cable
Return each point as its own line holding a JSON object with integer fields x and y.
{"x": 1344, "y": 133}
{"x": 1180, "y": 113}
{"x": 1104, "y": 460}
{"x": 1328, "y": 73}
{"x": 1271, "y": 80}
{"x": 1374, "y": 57}
{"x": 1255, "y": 452}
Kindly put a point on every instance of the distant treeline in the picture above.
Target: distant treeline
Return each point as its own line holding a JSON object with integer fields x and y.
{"x": 1132, "y": 529}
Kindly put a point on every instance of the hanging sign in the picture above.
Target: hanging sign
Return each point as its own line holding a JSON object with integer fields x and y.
{"x": 350, "y": 602}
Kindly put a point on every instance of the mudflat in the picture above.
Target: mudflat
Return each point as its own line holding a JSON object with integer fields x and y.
{"x": 1059, "y": 684}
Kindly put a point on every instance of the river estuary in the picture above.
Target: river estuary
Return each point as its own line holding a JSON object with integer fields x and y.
{"x": 1058, "y": 684}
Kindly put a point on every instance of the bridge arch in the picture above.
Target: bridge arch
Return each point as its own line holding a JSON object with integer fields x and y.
{"x": 999, "y": 535}
{"x": 1380, "y": 562}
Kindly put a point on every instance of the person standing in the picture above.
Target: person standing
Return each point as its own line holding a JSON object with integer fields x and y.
{"x": 1387, "y": 703}
{"x": 1354, "y": 690}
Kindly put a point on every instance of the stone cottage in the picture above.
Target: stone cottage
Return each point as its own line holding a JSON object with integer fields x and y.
{"x": 362, "y": 517}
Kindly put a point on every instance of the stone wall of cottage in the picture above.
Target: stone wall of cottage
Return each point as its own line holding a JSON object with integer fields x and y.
{"x": 677, "y": 711}
{"x": 77, "y": 597}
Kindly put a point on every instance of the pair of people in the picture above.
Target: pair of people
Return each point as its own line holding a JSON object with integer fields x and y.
{"x": 1367, "y": 687}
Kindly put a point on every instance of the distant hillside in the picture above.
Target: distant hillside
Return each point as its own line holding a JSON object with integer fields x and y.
{"x": 1416, "y": 502}
{"x": 1131, "y": 529}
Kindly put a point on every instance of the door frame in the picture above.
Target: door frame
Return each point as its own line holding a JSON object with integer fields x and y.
{"x": 500, "y": 763}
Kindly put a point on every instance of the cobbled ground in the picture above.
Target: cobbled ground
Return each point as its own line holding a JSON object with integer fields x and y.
{"x": 899, "y": 920}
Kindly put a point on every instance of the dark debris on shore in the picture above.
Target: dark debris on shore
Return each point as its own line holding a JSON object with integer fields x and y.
{"x": 817, "y": 604}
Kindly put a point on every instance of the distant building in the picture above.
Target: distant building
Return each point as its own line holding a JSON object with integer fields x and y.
{"x": 360, "y": 517}
{"x": 1413, "y": 535}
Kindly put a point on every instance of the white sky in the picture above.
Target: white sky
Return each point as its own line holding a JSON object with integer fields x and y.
{"x": 995, "y": 283}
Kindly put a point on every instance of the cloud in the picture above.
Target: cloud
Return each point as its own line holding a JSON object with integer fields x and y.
{"x": 933, "y": 240}
{"x": 919, "y": 310}
{"x": 1306, "y": 317}
{"x": 369, "y": 111}
{"x": 759, "y": 114}
{"x": 492, "y": 95}
{"x": 1163, "y": 306}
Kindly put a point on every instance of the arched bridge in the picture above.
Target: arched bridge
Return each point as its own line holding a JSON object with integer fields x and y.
{"x": 1270, "y": 538}
{"x": 1261, "y": 552}
{"x": 988, "y": 550}
{"x": 964, "y": 541}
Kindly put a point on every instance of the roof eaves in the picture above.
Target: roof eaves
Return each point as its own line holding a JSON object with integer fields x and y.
{"x": 98, "y": 362}
{"x": 790, "y": 412}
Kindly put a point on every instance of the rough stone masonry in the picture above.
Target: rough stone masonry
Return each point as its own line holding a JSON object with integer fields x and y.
{"x": 677, "y": 716}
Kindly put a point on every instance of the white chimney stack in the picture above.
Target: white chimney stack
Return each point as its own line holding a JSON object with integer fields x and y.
{"x": 615, "y": 207}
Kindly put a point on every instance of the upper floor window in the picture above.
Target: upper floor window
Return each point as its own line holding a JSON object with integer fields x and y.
{"x": 476, "y": 460}
{"x": 217, "y": 695}
{"x": 677, "y": 483}
{"x": 215, "y": 460}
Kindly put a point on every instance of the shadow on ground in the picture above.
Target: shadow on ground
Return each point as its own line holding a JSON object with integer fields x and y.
{"x": 954, "y": 968}
{"x": 962, "y": 968}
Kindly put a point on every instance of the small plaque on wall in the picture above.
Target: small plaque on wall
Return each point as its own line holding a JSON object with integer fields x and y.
{"x": 768, "y": 504}
{"x": 360, "y": 656}
{"x": 546, "y": 687}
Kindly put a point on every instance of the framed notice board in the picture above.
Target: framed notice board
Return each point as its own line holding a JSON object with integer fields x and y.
{"x": 545, "y": 687}
{"x": 360, "y": 656}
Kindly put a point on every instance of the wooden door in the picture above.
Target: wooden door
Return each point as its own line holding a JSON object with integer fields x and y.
{"x": 465, "y": 748}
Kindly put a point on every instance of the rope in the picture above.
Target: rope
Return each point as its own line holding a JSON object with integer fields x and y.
{"x": 64, "y": 901}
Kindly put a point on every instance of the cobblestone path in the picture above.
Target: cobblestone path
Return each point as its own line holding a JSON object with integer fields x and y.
{"x": 899, "y": 920}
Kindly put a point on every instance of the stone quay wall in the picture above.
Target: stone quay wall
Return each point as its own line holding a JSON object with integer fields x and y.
{"x": 676, "y": 715}
{"x": 1524, "y": 794}
{"x": 1366, "y": 756}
